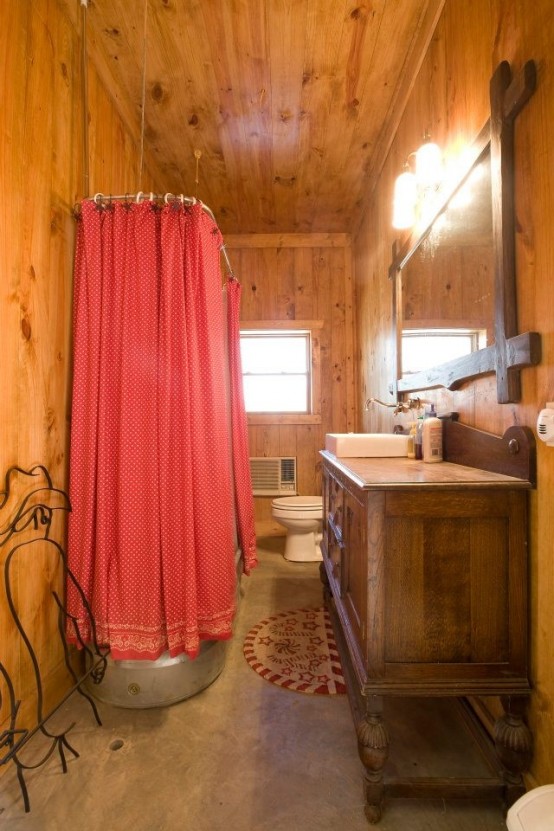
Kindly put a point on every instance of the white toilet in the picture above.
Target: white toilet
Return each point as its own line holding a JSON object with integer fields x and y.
{"x": 302, "y": 517}
{"x": 534, "y": 811}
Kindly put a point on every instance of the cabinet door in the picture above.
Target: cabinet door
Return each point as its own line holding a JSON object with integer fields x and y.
{"x": 354, "y": 568}
{"x": 456, "y": 589}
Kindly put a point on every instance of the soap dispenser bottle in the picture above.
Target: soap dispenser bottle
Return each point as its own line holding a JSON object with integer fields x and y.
{"x": 432, "y": 438}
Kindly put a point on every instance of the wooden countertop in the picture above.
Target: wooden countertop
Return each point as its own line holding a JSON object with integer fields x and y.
{"x": 400, "y": 473}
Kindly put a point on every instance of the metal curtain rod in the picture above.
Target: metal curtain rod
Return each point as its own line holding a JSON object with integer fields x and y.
{"x": 167, "y": 198}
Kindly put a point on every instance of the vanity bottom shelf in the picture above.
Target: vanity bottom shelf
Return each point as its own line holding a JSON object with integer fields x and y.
{"x": 437, "y": 748}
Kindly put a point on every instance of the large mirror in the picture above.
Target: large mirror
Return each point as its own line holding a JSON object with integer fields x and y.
{"x": 455, "y": 292}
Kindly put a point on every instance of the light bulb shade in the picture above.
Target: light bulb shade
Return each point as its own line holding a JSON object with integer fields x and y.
{"x": 428, "y": 166}
{"x": 404, "y": 202}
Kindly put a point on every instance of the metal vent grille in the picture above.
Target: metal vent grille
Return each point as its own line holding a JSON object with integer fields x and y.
{"x": 273, "y": 475}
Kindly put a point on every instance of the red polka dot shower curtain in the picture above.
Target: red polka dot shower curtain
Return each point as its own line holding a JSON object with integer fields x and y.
{"x": 152, "y": 529}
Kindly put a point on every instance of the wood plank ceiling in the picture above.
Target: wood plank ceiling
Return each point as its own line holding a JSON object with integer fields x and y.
{"x": 292, "y": 103}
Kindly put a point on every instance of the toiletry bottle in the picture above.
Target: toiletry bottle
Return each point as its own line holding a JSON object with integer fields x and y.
{"x": 432, "y": 438}
{"x": 411, "y": 440}
{"x": 418, "y": 439}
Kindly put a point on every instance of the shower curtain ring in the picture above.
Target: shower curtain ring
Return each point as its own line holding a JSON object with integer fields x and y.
{"x": 139, "y": 196}
{"x": 97, "y": 198}
{"x": 167, "y": 197}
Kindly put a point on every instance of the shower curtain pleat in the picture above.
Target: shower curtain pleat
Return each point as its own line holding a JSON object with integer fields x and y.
{"x": 241, "y": 465}
{"x": 151, "y": 531}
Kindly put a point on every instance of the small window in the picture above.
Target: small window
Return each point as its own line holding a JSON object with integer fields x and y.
{"x": 276, "y": 366}
{"x": 424, "y": 348}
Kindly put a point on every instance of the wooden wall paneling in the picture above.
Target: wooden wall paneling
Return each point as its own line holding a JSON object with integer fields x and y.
{"x": 43, "y": 332}
{"x": 322, "y": 44}
{"x": 67, "y": 184}
{"x": 337, "y": 317}
{"x": 304, "y": 283}
{"x": 35, "y": 346}
{"x": 468, "y": 70}
{"x": 535, "y": 264}
{"x": 286, "y": 57}
{"x": 349, "y": 343}
{"x": 322, "y": 280}
{"x": 187, "y": 31}
{"x": 268, "y": 284}
{"x": 374, "y": 320}
{"x": 321, "y": 239}
{"x": 306, "y": 459}
{"x": 254, "y": 285}
{"x": 347, "y": 41}
{"x": 288, "y": 440}
{"x": 285, "y": 295}
{"x": 41, "y": 164}
{"x": 469, "y": 42}
{"x": 249, "y": 120}
{"x": 13, "y": 22}
{"x": 508, "y": 23}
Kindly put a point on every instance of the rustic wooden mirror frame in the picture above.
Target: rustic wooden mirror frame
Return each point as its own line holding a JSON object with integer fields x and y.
{"x": 511, "y": 351}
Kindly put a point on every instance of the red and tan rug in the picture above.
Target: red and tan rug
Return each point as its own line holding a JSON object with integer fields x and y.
{"x": 296, "y": 650}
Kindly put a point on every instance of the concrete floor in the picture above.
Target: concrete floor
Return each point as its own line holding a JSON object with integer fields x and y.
{"x": 243, "y": 755}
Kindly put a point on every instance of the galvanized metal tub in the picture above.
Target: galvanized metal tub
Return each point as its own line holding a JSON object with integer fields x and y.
{"x": 143, "y": 684}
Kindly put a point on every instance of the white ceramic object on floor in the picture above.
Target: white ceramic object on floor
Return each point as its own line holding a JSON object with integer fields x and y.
{"x": 534, "y": 811}
{"x": 302, "y": 517}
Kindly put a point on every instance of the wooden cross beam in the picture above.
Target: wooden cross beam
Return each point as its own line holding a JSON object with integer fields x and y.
{"x": 507, "y": 97}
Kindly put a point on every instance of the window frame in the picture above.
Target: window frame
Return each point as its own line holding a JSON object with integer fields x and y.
{"x": 313, "y": 327}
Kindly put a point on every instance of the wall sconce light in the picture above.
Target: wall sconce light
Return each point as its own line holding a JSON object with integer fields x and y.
{"x": 405, "y": 199}
{"x": 414, "y": 191}
{"x": 428, "y": 163}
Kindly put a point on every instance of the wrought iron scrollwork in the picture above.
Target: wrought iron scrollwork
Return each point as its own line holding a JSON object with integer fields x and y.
{"x": 27, "y": 504}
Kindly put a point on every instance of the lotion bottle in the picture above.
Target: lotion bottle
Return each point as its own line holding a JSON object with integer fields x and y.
{"x": 432, "y": 438}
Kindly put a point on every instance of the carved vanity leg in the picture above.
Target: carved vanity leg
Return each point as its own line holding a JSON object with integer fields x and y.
{"x": 514, "y": 746}
{"x": 373, "y": 748}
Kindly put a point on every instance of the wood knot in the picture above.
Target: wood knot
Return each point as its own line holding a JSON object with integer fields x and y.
{"x": 157, "y": 92}
{"x": 26, "y": 328}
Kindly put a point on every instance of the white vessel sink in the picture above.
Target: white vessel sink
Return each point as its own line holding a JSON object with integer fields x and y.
{"x": 366, "y": 444}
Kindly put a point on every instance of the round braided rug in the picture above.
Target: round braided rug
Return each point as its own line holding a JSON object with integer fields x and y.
{"x": 297, "y": 650}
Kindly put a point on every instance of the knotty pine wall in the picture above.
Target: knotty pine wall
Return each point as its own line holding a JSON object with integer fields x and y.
{"x": 301, "y": 277}
{"x": 41, "y": 178}
{"x": 450, "y": 97}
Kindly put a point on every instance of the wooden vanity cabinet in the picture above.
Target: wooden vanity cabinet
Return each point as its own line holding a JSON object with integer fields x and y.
{"x": 425, "y": 568}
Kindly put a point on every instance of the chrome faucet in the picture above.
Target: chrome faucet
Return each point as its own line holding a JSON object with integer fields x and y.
{"x": 399, "y": 407}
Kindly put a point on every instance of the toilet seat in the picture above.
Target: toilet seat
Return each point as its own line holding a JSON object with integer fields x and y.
{"x": 298, "y": 503}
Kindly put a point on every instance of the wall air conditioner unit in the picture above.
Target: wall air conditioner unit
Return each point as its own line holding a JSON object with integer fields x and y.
{"x": 273, "y": 475}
